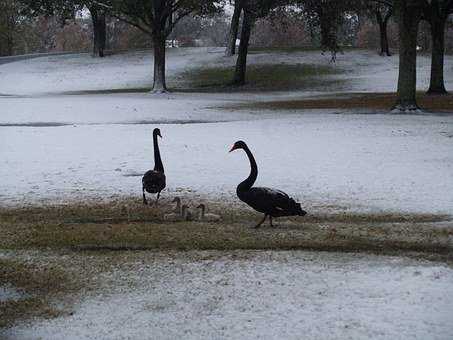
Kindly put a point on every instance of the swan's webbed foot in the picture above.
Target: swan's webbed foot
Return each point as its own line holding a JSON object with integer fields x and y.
{"x": 260, "y": 222}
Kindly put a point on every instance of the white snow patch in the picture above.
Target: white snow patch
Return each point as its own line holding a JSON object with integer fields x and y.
{"x": 58, "y": 147}
{"x": 273, "y": 295}
{"x": 364, "y": 70}
{"x": 81, "y": 72}
{"x": 8, "y": 293}
{"x": 361, "y": 162}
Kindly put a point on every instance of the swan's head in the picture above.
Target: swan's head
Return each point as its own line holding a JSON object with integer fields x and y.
{"x": 156, "y": 132}
{"x": 238, "y": 145}
{"x": 201, "y": 206}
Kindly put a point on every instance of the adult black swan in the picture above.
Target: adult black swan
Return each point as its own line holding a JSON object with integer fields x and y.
{"x": 271, "y": 202}
{"x": 153, "y": 181}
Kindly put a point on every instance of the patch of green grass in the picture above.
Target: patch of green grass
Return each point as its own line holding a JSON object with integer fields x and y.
{"x": 351, "y": 101}
{"x": 107, "y": 232}
{"x": 261, "y": 77}
{"x": 260, "y": 50}
{"x": 128, "y": 225}
{"x": 293, "y": 49}
{"x": 109, "y": 91}
{"x": 40, "y": 284}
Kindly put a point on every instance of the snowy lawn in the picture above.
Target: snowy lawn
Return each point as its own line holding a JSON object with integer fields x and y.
{"x": 85, "y": 148}
{"x": 59, "y": 147}
{"x": 355, "y": 162}
{"x": 257, "y": 295}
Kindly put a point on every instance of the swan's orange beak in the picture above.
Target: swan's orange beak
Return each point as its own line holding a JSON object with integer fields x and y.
{"x": 232, "y": 148}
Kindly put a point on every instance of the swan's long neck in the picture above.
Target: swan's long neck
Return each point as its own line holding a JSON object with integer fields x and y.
{"x": 248, "y": 182}
{"x": 158, "y": 166}
{"x": 178, "y": 207}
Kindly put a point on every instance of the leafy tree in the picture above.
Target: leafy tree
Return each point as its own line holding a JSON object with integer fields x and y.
{"x": 253, "y": 9}
{"x": 329, "y": 16}
{"x": 66, "y": 9}
{"x": 157, "y": 18}
{"x": 381, "y": 12}
{"x": 9, "y": 21}
{"x": 409, "y": 13}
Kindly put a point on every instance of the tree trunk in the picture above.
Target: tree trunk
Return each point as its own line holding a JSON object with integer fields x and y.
{"x": 241, "y": 63}
{"x": 409, "y": 18}
{"x": 159, "y": 85}
{"x": 9, "y": 36}
{"x": 99, "y": 31}
{"x": 383, "y": 24}
{"x": 437, "y": 85}
{"x": 231, "y": 46}
{"x": 10, "y": 44}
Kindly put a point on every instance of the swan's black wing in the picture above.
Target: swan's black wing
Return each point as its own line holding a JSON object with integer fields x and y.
{"x": 271, "y": 201}
{"x": 154, "y": 181}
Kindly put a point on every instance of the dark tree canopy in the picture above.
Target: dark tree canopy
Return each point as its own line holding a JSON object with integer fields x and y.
{"x": 66, "y": 9}
{"x": 156, "y": 17}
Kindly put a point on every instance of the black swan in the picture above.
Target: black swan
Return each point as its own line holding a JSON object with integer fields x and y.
{"x": 270, "y": 202}
{"x": 153, "y": 181}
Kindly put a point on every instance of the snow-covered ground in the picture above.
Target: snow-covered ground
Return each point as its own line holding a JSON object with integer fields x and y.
{"x": 56, "y": 147}
{"x": 81, "y": 72}
{"x": 364, "y": 70}
{"x": 8, "y": 293}
{"x": 262, "y": 295}
{"x": 359, "y": 162}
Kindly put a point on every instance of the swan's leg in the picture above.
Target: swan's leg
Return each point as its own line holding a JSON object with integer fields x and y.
{"x": 270, "y": 220}
{"x": 261, "y": 222}
{"x": 157, "y": 199}
{"x": 145, "y": 202}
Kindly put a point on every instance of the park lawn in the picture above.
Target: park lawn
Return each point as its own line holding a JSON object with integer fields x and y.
{"x": 352, "y": 101}
{"x": 260, "y": 77}
{"x": 75, "y": 232}
{"x": 38, "y": 286}
{"x": 128, "y": 225}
